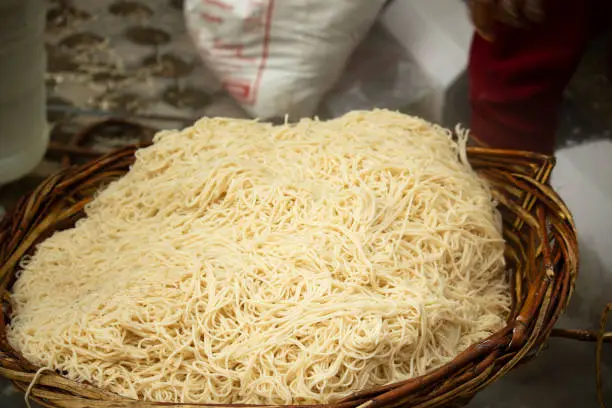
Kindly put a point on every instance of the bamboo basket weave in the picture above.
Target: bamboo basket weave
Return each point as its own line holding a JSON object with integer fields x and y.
{"x": 541, "y": 252}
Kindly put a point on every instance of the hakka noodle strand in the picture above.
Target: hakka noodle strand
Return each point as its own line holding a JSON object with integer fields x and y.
{"x": 241, "y": 262}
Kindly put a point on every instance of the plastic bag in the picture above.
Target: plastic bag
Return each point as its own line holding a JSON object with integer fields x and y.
{"x": 279, "y": 57}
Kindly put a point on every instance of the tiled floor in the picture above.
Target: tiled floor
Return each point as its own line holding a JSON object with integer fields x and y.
{"x": 129, "y": 70}
{"x": 142, "y": 59}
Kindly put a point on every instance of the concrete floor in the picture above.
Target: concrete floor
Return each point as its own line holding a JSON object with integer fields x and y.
{"x": 563, "y": 375}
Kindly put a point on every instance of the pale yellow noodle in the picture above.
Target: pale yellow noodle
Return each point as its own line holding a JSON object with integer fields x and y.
{"x": 239, "y": 262}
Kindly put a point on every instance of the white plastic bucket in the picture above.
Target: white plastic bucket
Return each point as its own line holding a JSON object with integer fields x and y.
{"x": 23, "y": 126}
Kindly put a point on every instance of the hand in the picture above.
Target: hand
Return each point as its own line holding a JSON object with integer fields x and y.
{"x": 515, "y": 13}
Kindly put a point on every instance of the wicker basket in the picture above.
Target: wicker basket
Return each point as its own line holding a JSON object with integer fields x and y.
{"x": 542, "y": 254}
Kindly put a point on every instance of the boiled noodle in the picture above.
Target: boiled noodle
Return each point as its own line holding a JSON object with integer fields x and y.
{"x": 241, "y": 262}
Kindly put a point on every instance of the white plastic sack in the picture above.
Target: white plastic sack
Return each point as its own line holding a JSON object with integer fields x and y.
{"x": 279, "y": 57}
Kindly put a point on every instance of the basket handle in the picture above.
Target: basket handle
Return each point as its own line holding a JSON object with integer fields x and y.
{"x": 600, "y": 337}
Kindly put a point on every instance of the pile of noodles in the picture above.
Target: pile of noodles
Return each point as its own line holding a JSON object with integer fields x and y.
{"x": 241, "y": 262}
